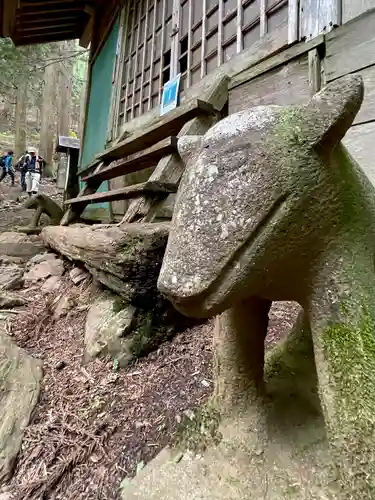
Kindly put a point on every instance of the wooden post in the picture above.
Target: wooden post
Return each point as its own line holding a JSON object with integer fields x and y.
{"x": 293, "y": 20}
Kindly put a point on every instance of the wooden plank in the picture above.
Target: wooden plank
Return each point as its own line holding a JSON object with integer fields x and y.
{"x": 164, "y": 15}
{"x": 314, "y": 71}
{"x": 263, "y": 18}
{"x": 149, "y": 104}
{"x": 239, "y": 23}
{"x": 126, "y": 193}
{"x": 293, "y": 20}
{"x": 220, "y": 33}
{"x": 190, "y": 37}
{"x": 352, "y": 9}
{"x": 138, "y": 161}
{"x": 136, "y": 60}
{"x": 367, "y": 111}
{"x": 90, "y": 166}
{"x": 204, "y": 41}
{"x": 282, "y": 86}
{"x": 351, "y": 47}
{"x": 73, "y": 214}
{"x": 273, "y": 62}
{"x": 169, "y": 125}
{"x": 318, "y": 17}
{"x": 169, "y": 169}
{"x": 360, "y": 142}
{"x": 128, "y": 50}
{"x": 124, "y": 24}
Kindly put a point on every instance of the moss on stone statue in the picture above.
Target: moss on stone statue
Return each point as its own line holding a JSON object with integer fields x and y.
{"x": 351, "y": 351}
{"x": 119, "y": 304}
{"x": 200, "y": 431}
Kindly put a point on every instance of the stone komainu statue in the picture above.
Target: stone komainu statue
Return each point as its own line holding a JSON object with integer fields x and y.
{"x": 272, "y": 207}
{"x": 42, "y": 204}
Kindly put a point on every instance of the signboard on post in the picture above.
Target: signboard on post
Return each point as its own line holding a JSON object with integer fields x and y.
{"x": 169, "y": 98}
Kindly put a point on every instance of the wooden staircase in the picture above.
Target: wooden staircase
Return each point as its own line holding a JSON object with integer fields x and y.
{"x": 147, "y": 147}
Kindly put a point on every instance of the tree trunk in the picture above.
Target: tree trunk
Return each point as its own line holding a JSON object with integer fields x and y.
{"x": 48, "y": 124}
{"x": 65, "y": 91}
{"x": 21, "y": 101}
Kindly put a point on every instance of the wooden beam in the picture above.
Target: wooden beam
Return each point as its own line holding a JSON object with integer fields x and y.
{"x": 275, "y": 61}
{"x": 31, "y": 39}
{"x": 85, "y": 39}
{"x": 293, "y": 20}
{"x": 47, "y": 29}
{"x": 46, "y": 21}
{"x": 168, "y": 125}
{"x": 8, "y": 17}
{"x": 73, "y": 214}
{"x": 139, "y": 161}
{"x": 26, "y": 15}
{"x": 126, "y": 193}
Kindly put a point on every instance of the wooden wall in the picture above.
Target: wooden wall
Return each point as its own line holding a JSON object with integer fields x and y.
{"x": 351, "y": 49}
{"x": 287, "y": 84}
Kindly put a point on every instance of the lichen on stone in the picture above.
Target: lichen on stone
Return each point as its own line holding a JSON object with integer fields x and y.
{"x": 199, "y": 431}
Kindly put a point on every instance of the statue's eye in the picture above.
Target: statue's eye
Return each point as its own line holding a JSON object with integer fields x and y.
{"x": 206, "y": 146}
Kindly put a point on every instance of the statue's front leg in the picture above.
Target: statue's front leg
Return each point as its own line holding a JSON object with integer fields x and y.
{"x": 35, "y": 218}
{"x": 239, "y": 355}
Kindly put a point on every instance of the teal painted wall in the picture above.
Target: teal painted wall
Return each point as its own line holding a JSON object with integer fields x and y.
{"x": 95, "y": 135}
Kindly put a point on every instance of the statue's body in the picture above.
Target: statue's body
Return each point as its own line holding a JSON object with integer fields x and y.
{"x": 272, "y": 207}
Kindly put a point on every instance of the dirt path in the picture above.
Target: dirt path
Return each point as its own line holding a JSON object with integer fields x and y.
{"x": 12, "y": 212}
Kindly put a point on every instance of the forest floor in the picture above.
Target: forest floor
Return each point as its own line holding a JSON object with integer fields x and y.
{"x": 95, "y": 425}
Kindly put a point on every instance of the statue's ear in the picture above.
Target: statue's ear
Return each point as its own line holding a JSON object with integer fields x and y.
{"x": 189, "y": 144}
{"x": 333, "y": 110}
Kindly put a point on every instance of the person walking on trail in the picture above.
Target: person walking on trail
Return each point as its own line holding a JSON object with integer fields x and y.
{"x": 21, "y": 165}
{"x": 7, "y": 166}
{"x": 33, "y": 172}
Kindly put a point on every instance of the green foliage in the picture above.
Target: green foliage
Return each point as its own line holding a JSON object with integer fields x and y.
{"x": 28, "y": 64}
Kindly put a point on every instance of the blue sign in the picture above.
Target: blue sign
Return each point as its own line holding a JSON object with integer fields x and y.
{"x": 169, "y": 99}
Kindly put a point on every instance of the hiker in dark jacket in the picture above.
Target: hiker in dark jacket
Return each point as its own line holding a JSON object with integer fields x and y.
{"x": 7, "y": 166}
{"x": 21, "y": 165}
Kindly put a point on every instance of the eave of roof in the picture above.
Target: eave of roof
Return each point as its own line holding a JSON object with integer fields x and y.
{"x": 40, "y": 21}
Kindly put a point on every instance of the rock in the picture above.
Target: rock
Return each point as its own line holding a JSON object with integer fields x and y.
{"x": 11, "y": 277}
{"x": 20, "y": 245}
{"x": 20, "y": 378}
{"x": 47, "y": 268}
{"x": 9, "y": 260}
{"x": 77, "y": 275}
{"x": 107, "y": 325}
{"x": 6, "y": 496}
{"x": 126, "y": 260}
{"x": 60, "y": 365}
{"x": 9, "y": 300}
{"x": 38, "y": 259}
{"x": 62, "y": 306}
{"x": 52, "y": 283}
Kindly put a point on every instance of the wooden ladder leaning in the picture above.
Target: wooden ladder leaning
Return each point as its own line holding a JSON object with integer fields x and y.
{"x": 153, "y": 145}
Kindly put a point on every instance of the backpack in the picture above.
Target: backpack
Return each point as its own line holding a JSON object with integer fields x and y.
{"x": 2, "y": 161}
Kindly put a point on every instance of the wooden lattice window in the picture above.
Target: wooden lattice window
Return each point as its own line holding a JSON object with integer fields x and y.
{"x": 147, "y": 51}
{"x": 213, "y": 31}
{"x": 161, "y": 38}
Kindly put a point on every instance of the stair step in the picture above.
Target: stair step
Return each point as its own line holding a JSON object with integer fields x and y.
{"x": 168, "y": 125}
{"x": 126, "y": 193}
{"x": 138, "y": 161}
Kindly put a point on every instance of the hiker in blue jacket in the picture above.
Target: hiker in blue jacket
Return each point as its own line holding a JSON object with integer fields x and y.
{"x": 7, "y": 166}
